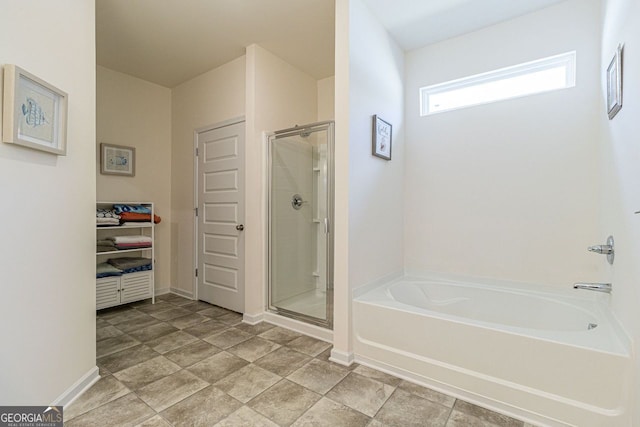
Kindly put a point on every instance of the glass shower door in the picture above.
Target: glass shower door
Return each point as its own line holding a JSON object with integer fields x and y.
{"x": 300, "y": 244}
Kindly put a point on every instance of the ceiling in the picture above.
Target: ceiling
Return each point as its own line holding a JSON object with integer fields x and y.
{"x": 171, "y": 41}
{"x": 417, "y": 23}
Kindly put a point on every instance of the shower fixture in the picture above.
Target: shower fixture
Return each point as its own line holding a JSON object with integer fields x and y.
{"x": 607, "y": 249}
{"x": 296, "y": 201}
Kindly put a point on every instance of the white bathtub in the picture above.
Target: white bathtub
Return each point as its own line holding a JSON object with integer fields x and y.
{"x": 550, "y": 356}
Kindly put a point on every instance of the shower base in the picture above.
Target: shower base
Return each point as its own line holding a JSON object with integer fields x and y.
{"x": 312, "y": 303}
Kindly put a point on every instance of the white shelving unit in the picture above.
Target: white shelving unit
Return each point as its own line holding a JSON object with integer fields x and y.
{"x": 116, "y": 290}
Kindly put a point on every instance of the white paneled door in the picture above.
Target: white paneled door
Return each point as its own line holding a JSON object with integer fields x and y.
{"x": 220, "y": 155}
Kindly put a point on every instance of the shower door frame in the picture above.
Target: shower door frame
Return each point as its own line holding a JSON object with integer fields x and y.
{"x": 329, "y": 127}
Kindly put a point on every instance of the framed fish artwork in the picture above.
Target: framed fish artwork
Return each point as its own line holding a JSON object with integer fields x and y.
{"x": 34, "y": 113}
{"x": 117, "y": 160}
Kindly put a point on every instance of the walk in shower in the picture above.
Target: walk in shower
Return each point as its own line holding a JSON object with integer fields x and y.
{"x": 300, "y": 220}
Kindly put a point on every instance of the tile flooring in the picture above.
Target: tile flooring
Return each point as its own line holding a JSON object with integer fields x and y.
{"x": 185, "y": 363}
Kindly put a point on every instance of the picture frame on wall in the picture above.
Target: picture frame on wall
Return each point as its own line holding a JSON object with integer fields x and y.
{"x": 614, "y": 83}
{"x": 117, "y": 160}
{"x": 34, "y": 112}
{"x": 382, "y": 138}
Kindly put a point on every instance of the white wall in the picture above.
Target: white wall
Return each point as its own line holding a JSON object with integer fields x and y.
{"x": 278, "y": 96}
{"x": 210, "y": 98}
{"x": 368, "y": 194}
{"x": 47, "y": 310}
{"x": 136, "y": 113}
{"x": 375, "y": 185}
{"x": 620, "y": 155}
{"x": 507, "y": 190}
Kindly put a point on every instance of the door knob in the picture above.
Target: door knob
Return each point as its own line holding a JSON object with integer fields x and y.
{"x": 240, "y": 227}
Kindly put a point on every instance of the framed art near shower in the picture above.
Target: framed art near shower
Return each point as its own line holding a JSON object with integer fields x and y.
{"x": 34, "y": 112}
{"x": 117, "y": 160}
{"x": 381, "y": 141}
{"x": 614, "y": 83}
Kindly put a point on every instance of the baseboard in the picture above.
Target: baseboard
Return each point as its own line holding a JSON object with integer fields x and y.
{"x": 295, "y": 325}
{"x": 341, "y": 357}
{"x": 79, "y": 387}
{"x": 181, "y": 292}
{"x": 160, "y": 291}
{"x": 252, "y": 319}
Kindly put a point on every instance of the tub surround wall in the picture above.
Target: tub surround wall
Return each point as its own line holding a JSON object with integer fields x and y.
{"x": 134, "y": 112}
{"x": 620, "y": 156}
{"x": 47, "y": 260}
{"x": 210, "y": 98}
{"x": 507, "y": 190}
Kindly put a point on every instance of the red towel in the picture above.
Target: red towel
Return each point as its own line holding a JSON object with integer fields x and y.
{"x": 138, "y": 217}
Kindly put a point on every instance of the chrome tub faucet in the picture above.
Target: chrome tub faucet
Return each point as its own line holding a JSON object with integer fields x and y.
{"x": 598, "y": 287}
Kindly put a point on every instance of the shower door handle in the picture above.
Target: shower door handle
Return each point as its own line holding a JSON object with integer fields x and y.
{"x": 240, "y": 227}
{"x": 326, "y": 226}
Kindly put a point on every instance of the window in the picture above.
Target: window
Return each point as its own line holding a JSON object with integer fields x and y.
{"x": 543, "y": 75}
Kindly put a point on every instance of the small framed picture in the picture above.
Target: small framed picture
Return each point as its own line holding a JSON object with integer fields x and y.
{"x": 34, "y": 113}
{"x": 117, "y": 160}
{"x": 614, "y": 84}
{"x": 381, "y": 144}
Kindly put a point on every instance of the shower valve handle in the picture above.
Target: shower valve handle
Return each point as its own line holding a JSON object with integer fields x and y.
{"x": 601, "y": 249}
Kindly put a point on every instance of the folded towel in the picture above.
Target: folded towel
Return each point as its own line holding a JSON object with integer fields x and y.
{"x": 129, "y": 262}
{"x": 131, "y": 208}
{"x": 106, "y": 242}
{"x": 105, "y": 270}
{"x": 133, "y": 246}
{"x": 107, "y": 221}
{"x": 136, "y": 269}
{"x": 103, "y": 248}
{"x": 106, "y": 213}
{"x": 136, "y": 216}
{"x": 130, "y": 239}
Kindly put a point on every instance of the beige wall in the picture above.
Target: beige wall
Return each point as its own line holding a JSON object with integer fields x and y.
{"x": 136, "y": 113}
{"x": 210, "y": 98}
{"x": 342, "y": 345}
{"x": 47, "y": 309}
{"x": 619, "y": 154}
{"x": 326, "y": 98}
{"x": 278, "y": 96}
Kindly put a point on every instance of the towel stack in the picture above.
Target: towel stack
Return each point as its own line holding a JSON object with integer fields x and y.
{"x": 105, "y": 245}
{"x": 135, "y": 214}
{"x": 107, "y": 217}
{"x": 131, "y": 242}
{"x": 120, "y": 266}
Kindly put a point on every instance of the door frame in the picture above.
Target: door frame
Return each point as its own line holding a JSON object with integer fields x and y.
{"x": 217, "y": 125}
